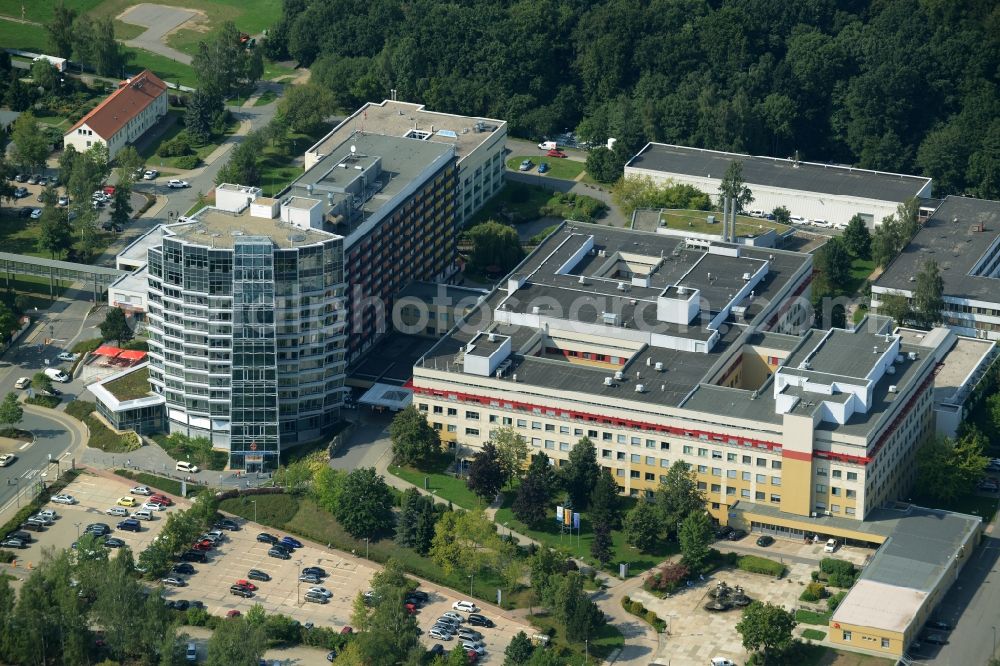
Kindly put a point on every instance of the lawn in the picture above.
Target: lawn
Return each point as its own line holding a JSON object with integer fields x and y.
{"x": 814, "y": 634}
{"x": 278, "y": 167}
{"x": 803, "y": 616}
{"x": 132, "y": 386}
{"x": 559, "y": 167}
{"x": 169, "y": 70}
{"x": 860, "y": 270}
{"x": 20, "y": 236}
{"x": 266, "y": 98}
{"x": 441, "y": 482}
{"x": 149, "y": 149}
{"x": 313, "y": 522}
{"x": 20, "y": 35}
{"x": 518, "y": 202}
{"x": 697, "y": 221}
{"x": 162, "y": 483}
{"x": 274, "y": 71}
{"x": 126, "y": 31}
{"x": 608, "y": 640}
{"x": 578, "y": 545}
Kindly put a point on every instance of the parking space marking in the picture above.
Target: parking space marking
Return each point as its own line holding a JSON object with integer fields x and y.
{"x": 24, "y": 446}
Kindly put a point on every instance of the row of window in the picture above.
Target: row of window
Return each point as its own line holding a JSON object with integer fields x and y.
{"x": 884, "y": 641}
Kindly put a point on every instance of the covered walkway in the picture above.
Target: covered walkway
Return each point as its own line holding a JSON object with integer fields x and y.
{"x": 55, "y": 270}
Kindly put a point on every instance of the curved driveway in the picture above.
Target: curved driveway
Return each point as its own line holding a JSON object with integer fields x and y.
{"x": 56, "y": 434}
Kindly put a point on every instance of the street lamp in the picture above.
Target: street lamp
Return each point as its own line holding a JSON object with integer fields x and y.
{"x": 366, "y": 548}
{"x": 298, "y": 588}
{"x": 470, "y": 584}
{"x": 77, "y": 530}
{"x": 994, "y": 641}
{"x": 254, "y": 502}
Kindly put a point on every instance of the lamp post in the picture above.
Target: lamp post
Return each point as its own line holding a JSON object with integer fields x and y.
{"x": 78, "y": 533}
{"x": 254, "y": 502}
{"x": 298, "y": 589}
{"x": 586, "y": 648}
{"x": 470, "y": 584}
{"x": 994, "y": 641}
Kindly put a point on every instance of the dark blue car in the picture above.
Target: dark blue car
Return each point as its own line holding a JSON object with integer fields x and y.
{"x": 130, "y": 525}
{"x": 290, "y": 542}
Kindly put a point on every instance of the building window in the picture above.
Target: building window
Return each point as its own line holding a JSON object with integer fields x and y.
{"x": 606, "y": 453}
{"x": 636, "y": 458}
{"x": 761, "y": 478}
{"x": 536, "y": 425}
{"x": 702, "y": 485}
{"x": 730, "y": 473}
{"x": 521, "y": 423}
{"x": 452, "y": 427}
{"x": 716, "y": 455}
{"x": 776, "y": 498}
{"x": 438, "y": 409}
{"x": 664, "y": 462}
{"x": 702, "y": 453}
{"x": 550, "y": 427}
{"x": 716, "y": 488}
{"x": 885, "y": 643}
{"x": 745, "y": 493}
{"x": 775, "y": 480}
{"x": 835, "y": 508}
{"x": 634, "y": 474}
{"x": 493, "y": 418}
{"x": 472, "y": 431}
{"x": 507, "y": 421}
{"x": 650, "y": 460}
{"x": 835, "y": 491}
{"x": 619, "y": 472}
{"x": 687, "y": 450}
{"x": 621, "y": 455}
{"x": 564, "y": 446}
{"x": 716, "y": 471}
{"x": 746, "y": 460}
{"x": 847, "y": 635}
{"x": 536, "y": 442}
{"x": 820, "y": 488}
{"x": 622, "y": 439}
{"x": 747, "y": 476}
{"x": 423, "y": 406}
{"x": 775, "y": 464}
{"x": 835, "y": 473}
{"x": 851, "y": 494}
{"x": 730, "y": 457}
{"x": 849, "y": 510}
{"x": 820, "y": 471}
{"x": 563, "y": 430}
{"x": 759, "y": 496}
{"x": 550, "y": 444}
{"x": 702, "y": 469}
{"x": 650, "y": 476}
{"x": 761, "y": 462}
{"x": 852, "y": 476}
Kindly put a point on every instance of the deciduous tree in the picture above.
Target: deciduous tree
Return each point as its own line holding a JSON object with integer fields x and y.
{"x": 765, "y": 628}
{"x": 60, "y": 29}
{"x": 414, "y": 441}
{"x": 519, "y": 650}
{"x": 695, "y": 537}
{"x": 733, "y": 186}
{"x": 305, "y": 107}
{"x": 856, "y": 238}
{"x": 495, "y": 245}
{"x": 579, "y": 474}
{"x": 896, "y": 306}
{"x": 11, "y": 411}
{"x": 642, "y": 526}
{"x": 928, "y": 300}
{"x": 30, "y": 145}
{"x": 236, "y": 642}
{"x": 948, "y": 469}
{"x": 364, "y": 506}
{"x": 602, "y": 545}
{"x": 512, "y": 451}
{"x": 486, "y": 474}
{"x": 115, "y": 327}
{"x": 678, "y": 496}
{"x": 54, "y": 233}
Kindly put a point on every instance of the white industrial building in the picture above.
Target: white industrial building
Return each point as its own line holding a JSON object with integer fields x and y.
{"x": 812, "y": 191}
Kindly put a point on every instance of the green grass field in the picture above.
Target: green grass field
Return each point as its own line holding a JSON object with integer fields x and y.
{"x": 22, "y": 36}
{"x": 559, "y": 167}
{"x": 249, "y": 15}
{"x": 441, "y": 483}
{"x": 169, "y": 70}
{"x": 607, "y": 640}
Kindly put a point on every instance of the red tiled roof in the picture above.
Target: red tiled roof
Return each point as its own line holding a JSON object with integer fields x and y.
{"x": 121, "y": 106}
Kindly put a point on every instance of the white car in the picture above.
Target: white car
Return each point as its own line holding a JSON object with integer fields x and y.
{"x": 465, "y": 606}
{"x": 141, "y": 490}
{"x": 438, "y": 635}
{"x": 22, "y": 382}
{"x": 722, "y": 661}
{"x": 117, "y": 511}
{"x": 174, "y": 581}
{"x": 177, "y": 184}
{"x": 36, "y": 214}
{"x": 47, "y": 513}
{"x": 150, "y": 175}
{"x": 64, "y": 499}
{"x": 152, "y": 506}
{"x": 68, "y": 356}
{"x": 321, "y": 591}
{"x": 831, "y": 546}
{"x": 454, "y": 617}
{"x": 7, "y": 459}
{"x": 798, "y": 219}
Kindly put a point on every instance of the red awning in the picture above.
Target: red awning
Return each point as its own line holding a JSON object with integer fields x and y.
{"x": 132, "y": 355}
{"x": 107, "y": 350}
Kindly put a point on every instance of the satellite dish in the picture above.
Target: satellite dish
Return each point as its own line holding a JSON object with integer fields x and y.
{"x": 354, "y": 149}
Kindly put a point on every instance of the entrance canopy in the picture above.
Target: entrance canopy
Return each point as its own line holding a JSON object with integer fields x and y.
{"x": 387, "y": 396}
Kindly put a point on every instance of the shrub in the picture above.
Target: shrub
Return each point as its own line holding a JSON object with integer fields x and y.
{"x": 835, "y": 600}
{"x": 197, "y": 617}
{"x": 667, "y": 578}
{"x": 813, "y": 592}
{"x": 187, "y": 162}
{"x": 49, "y": 401}
{"x": 80, "y": 409}
{"x": 840, "y": 573}
{"x": 761, "y": 565}
{"x": 7, "y": 556}
{"x": 176, "y": 147}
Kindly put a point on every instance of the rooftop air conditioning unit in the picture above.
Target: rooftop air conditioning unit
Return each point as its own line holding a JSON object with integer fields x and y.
{"x": 492, "y": 337}
{"x": 912, "y": 356}
{"x": 608, "y": 381}
{"x": 640, "y": 388}
{"x": 621, "y": 286}
{"x": 619, "y": 375}
{"x": 891, "y": 370}
{"x": 659, "y": 366}
{"x": 893, "y": 388}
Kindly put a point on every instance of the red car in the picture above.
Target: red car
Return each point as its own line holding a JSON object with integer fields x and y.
{"x": 247, "y": 584}
{"x": 473, "y": 656}
{"x": 233, "y": 613}
{"x": 556, "y": 153}
{"x": 203, "y": 546}
{"x": 109, "y": 190}
{"x": 160, "y": 499}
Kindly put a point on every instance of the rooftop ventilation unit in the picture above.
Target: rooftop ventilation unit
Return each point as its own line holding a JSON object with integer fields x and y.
{"x": 621, "y": 286}
{"x": 492, "y": 337}
{"x": 535, "y": 309}
{"x": 659, "y": 366}
{"x": 875, "y": 349}
{"x": 582, "y": 280}
{"x": 608, "y": 381}
{"x": 912, "y": 356}
{"x": 891, "y": 370}
{"x": 619, "y": 375}
{"x": 640, "y": 388}
{"x": 893, "y": 388}
{"x": 746, "y": 277}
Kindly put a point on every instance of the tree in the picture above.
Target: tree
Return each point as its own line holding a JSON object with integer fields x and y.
{"x": 486, "y": 474}
{"x": 856, "y": 238}
{"x": 54, "y": 233}
{"x": 534, "y": 496}
{"x": 574, "y": 610}
{"x": 115, "y": 327}
{"x": 833, "y": 263}
{"x": 896, "y": 306}
{"x": 415, "y": 528}
{"x": 199, "y": 117}
{"x": 242, "y": 166}
{"x": 41, "y": 382}
{"x": 512, "y": 450}
{"x": 519, "y": 650}
{"x": 128, "y": 161}
{"x": 414, "y": 441}
{"x": 765, "y": 628}
{"x": 928, "y": 298}
{"x": 733, "y": 187}
{"x": 642, "y": 526}
{"x": 465, "y": 542}
{"x": 222, "y": 64}
{"x": 305, "y": 107}
{"x": 782, "y": 215}
{"x": 579, "y": 474}
{"x": 45, "y": 77}
{"x": 236, "y": 642}
{"x": 949, "y": 469}
{"x": 604, "y": 501}
{"x": 495, "y": 246}
{"x": 601, "y": 546}
{"x": 678, "y": 496}
{"x": 60, "y": 30}
{"x": 634, "y": 192}
{"x": 365, "y": 503}
{"x": 695, "y": 537}
{"x": 605, "y": 165}
{"x": 30, "y": 145}
{"x": 11, "y": 411}
{"x": 389, "y": 631}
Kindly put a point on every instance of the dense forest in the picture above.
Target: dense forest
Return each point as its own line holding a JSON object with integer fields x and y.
{"x": 898, "y": 85}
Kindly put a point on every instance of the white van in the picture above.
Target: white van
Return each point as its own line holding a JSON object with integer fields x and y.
{"x": 192, "y": 652}
{"x": 185, "y": 466}
{"x": 56, "y": 375}
{"x": 143, "y": 514}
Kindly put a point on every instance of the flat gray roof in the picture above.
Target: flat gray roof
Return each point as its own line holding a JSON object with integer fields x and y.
{"x": 774, "y": 172}
{"x": 429, "y": 291}
{"x": 464, "y": 133}
{"x": 840, "y": 352}
{"x": 217, "y": 228}
{"x": 952, "y": 238}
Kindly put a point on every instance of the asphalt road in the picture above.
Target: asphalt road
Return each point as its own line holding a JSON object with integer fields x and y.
{"x": 159, "y": 20}
{"x": 52, "y": 438}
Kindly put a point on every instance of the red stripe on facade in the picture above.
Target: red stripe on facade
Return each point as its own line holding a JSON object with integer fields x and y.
{"x": 796, "y": 455}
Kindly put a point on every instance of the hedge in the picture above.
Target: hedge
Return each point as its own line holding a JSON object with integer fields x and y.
{"x": 761, "y": 565}
{"x": 171, "y": 486}
{"x": 636, "y": 608}
{"x": 49, "y": 401}
{"x": 813, "y": 592}
{"x": 835, "y": 600}
{"x": 839, "y": 573}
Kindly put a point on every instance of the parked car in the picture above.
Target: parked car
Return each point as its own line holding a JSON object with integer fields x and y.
{"x": 279, "y": 554}
{"x": 240, "y": 591}
{"x": 939, "y": 625}
{"x": 173, "y": 581}
{"x": 319, "y": 571}
{"x": 61, "y": 499}
{"x": 183, "y": 568}
{"x": 143, "y": 514}
{"x": 525, "y": 165}
{"x": 186, "y": 466}
{"x": 233, "y": 613}
{"x": 50, "y": 392}
{"x": 264, "y": 537}
{"x": 21, "y": 178}
{"x": 63, "y": 200}
{"x": 480, "y": 620}
{"x": 191, "y": 654}
{"x": 7, "y": 459}
{"x": 543, "y": 167}
{"x": 439, "y": 635}
{"x": 935, "y": 638}
{"x": 831, "y": 546}
{"x": 736, "y": 535}
{"x": 151, "y": 174}
{"x": 316, "y": 598}
{"x": 765, "y": 540}
{"x": 555, "y": 152}
{"x": 139, "y": 490}
{"x": 320, "y": 590}
{"x": 227, "y": 524}
{"x": 452, "y": 616}
{"x": 257, "y": 574}
{"x": 160, "y": 499}
{"x": 465, "y": 607}
{"x": 114, "y": 542}
{"x": 23, "y": 383}
{"x": 33, "y": 179}
{"x": 56, "y": 375}
{"x": 127, "y": 501}
{"x": 247, "y": 584}
{"x": 308, "y": 578}
{"x": 152, "y": 507}
{"x": 469, "y": 634}
{"x": 20, "y": 535}
{"x": 20, "y": 192}
{"x": 48, "y": 513}
{"x": 100, "y": 529}
{"x": 723, "y": 531}
{"x": 194, "y": 556}
{"x": 12, "y": 542}
{"x": 474, "y": 647}
{"x": 36, "y": 214}
{"x": 173, "y": 183}
{"x": 119, "y": 511}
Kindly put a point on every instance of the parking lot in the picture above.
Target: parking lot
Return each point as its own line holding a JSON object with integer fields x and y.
{"x": 240, "y": 552}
